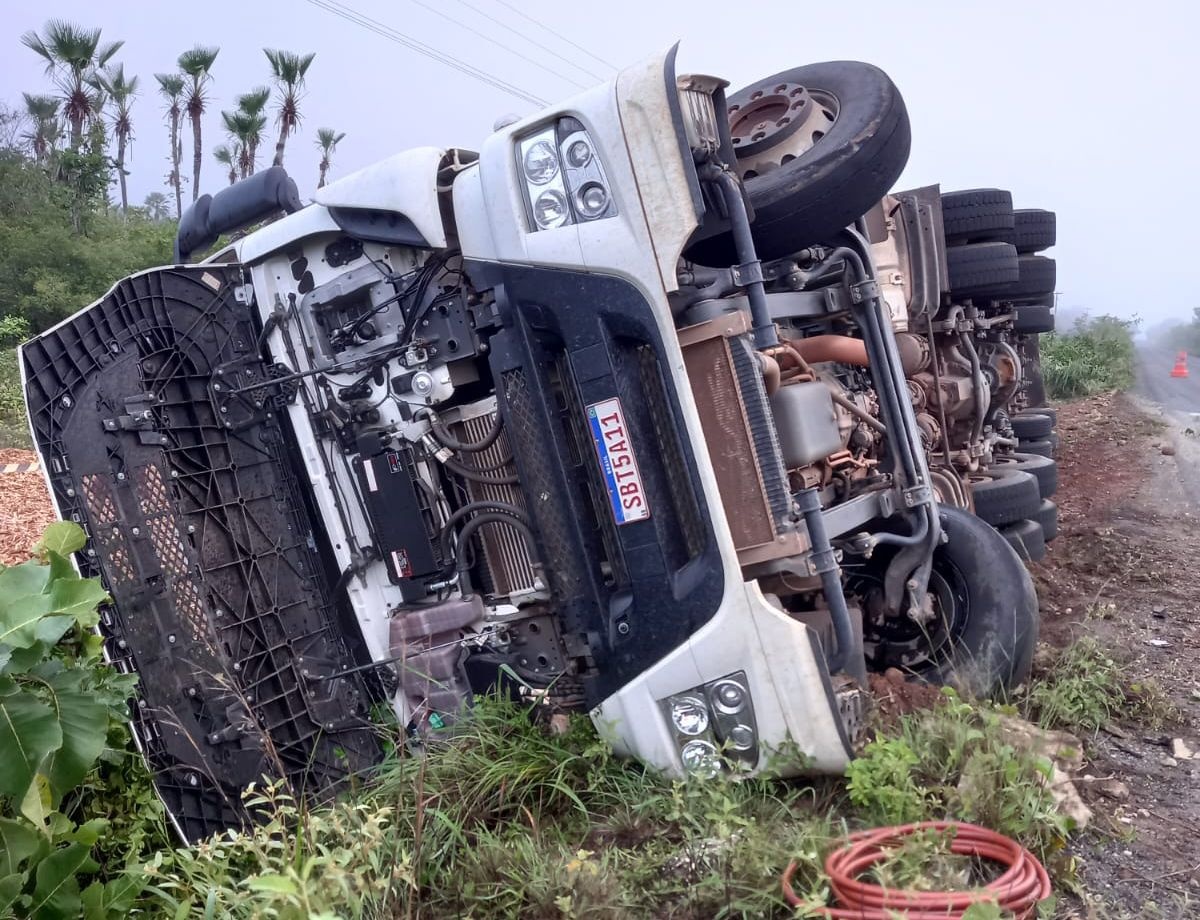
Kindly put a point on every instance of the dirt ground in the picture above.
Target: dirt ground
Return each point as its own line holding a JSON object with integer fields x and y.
{"x": 1122, "y": 570}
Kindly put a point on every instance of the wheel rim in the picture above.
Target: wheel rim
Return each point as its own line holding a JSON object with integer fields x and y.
{"x": 902, "y": 642}
{"x": 772, "y": 124}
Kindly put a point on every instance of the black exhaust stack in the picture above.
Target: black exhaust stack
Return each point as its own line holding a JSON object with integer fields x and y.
{"x": 244, "y": 203}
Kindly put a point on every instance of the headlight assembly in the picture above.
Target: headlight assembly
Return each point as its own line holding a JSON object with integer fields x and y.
{"x": 564, "y": 179}
{"x": 714, "y": 724}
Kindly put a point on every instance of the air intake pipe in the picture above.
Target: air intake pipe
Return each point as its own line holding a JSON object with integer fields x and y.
{"x": 243, "y": 203}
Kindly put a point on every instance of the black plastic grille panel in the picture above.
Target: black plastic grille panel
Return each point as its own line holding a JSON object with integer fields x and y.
{"x": 197, "y": 524}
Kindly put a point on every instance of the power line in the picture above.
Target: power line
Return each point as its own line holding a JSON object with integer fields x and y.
{"x": 558, "y": 35}
{"x": 502, "y": 24}
{"x": 462, "y": 25}
{"x": 379, "y": 28}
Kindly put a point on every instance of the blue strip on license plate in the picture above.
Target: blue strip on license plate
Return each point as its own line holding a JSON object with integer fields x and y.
{"x": 626, "y": 494}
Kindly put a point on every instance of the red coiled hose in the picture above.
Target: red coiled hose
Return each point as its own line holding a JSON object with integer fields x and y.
{"x": 1018, "y": 890}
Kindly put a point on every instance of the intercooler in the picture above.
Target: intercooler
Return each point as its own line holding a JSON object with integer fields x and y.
{"x": 506, "y": 555}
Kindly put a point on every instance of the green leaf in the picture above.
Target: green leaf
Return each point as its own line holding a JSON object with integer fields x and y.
{"x": 83, "y": 722}
{"x": 78, "y": 598}
{"x": 11, "y": 887}
{"x": 20, "y": 616}
{"x": 115, "y": 899}
{"x": 18, "y": 842}
{"x": 56, "y": 891}
{"x": 62, "y": 537}
{"x": 29, "y": 733}
{"x": 35, "y": 804}
{"x": 276, "y": 884}
{"x": 24, "y": 579}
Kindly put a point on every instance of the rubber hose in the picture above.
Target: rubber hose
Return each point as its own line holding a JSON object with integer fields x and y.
{"x": 487, "y": 517}
{"x": 446, "y": 439}
{"x": 471, "y": 508}
{"x": 1018, "y": 890}
{"x": 467, "y": 473}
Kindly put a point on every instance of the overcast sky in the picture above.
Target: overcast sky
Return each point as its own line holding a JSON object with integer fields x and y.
{"x": 1087, "y": 109}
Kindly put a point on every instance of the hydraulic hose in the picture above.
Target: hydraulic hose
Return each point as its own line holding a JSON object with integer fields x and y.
{"x": 765, "y": 335}
{"x": 475, "y": 476}
{"x": 1018, "y": 890}
{"x": 849, "y": 652}
{"x": 464, "y": 536}
{"x": 446, "y": 439}
{"x": 469, "y": 509}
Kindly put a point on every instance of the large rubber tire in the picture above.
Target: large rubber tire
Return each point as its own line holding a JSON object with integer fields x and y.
{"x": 1043, "y": 469}
{"x": 812, "y": 198}
{"x": 1030, "y": 426}
{"x": 996, "y": 605}
{"x": 1047, "y": 411}
{"x": 980, "y": 268}
{"x": 1034, "y": 319}
{"x": 1043, "y": 447}
{"x": 1047, "y": 517}
{"x": 977, "y": 215}
{"x": 1027, "y": 539}
{"x": 1005, "y": 496}
{"x": 1034, "y": 230}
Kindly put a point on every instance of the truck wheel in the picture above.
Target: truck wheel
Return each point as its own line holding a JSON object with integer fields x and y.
{"x": 978, "y": 269}
{"x": 1043, "y": 447}
{"x": 985, "y": 614}
{"x": 1047, "y": 518}
{"x": 1033, "y": 320}
{"x": 977, "y": 215}
{"x": 1043, "y": 469}
{"x": 1030, "y": 426}
{"x": 1048, "y": 411}
{"x": 1027, "y": 538}
{"x": 1005, "y": 496}
{"x": 818, "y": 147}
{"x": 1033, "y": 230}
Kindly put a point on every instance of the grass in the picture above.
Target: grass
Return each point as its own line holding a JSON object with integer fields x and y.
{"x": 1097, "y": 355}
{"x": 506, "y": 820}
{"x": 1083, "y": 688}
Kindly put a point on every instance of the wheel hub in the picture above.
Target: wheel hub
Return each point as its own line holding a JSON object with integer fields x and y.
{"x": 772, "y": 124}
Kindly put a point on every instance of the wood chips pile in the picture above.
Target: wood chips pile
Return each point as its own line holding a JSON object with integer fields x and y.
{"x": 25, "y": 508}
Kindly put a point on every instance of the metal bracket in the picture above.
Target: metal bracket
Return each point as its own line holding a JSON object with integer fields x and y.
{"x": 917, "y": 495}
{"x": 748, "y": 273}
{"x": 864, "y": 291}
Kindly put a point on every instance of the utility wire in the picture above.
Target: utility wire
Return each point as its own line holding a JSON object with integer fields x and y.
{"x": 379, "y": 28}
{"x": 558, "y": 35}
{"x": 511, "y": 50}
{"x": 504, "y": 25}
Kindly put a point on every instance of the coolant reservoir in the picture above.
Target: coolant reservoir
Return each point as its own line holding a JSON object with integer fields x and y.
{"x": 806, "y": 423}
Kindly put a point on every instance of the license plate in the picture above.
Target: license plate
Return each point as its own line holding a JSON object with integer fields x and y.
{"x": 626, "y": 494}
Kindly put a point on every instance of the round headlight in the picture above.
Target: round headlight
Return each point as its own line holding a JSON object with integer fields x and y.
{"x": 689, "y": 715}
{"x": 729, "y": 696}
{"x": 700, "y": 759}
{"x": 579, "y": 153}
{"x": 592, "y": 199}
{"x": 741, "y": 737}
{"x": 550, "y": 209}
{"x": 540, "y": 163}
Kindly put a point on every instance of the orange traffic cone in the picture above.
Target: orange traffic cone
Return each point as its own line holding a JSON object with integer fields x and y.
{"x": 1180, "y": 368}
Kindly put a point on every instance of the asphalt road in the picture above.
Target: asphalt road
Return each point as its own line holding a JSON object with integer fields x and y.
{"x": 1155, "y": 383}
{"x": 1176, "y": 400}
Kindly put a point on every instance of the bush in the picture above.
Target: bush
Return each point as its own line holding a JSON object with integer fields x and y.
{"x": 1097, "y": 355}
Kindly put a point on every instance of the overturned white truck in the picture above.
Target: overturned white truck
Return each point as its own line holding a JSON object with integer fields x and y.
{"x": 660, "y": 406}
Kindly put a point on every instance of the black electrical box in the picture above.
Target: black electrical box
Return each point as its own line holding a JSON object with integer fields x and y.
{"x": 400, "y": 515}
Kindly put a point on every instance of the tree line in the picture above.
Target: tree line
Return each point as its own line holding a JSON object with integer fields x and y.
{"x": 71, "y": 128}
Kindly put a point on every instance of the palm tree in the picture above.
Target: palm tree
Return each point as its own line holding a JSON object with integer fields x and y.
{"x": 288, "y": 70}
{"x": 327, "y": 141}
{"x": 156, "y": 206}
{"x": 121, "y": 90}
{"x": 241, "y": 129}
{"x": 229, "y": 158}
{"x": 253, "y": 105}
{"x": 43, "y": 113}
{"x": 73, "y": 54}
{"x": 196, "y": 64}
{"x": 170, "y": 85}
